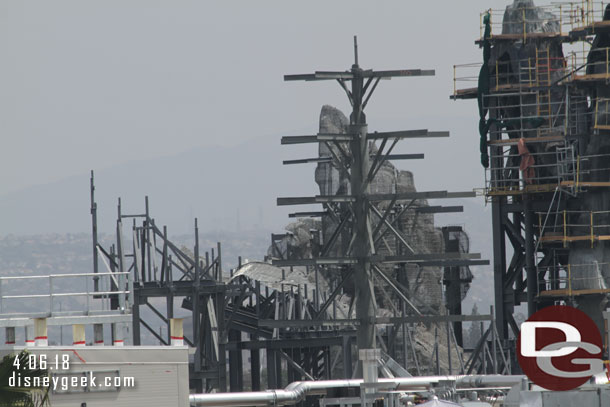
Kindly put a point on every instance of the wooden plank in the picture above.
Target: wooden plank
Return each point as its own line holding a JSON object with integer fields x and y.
{"x": 541, "y": 188}
{"x": 581, "y": 238}
{"x": 517, "y": 37}
{"x": 568, "y": 293}
{"x": 591, "y": 77}
{"x": 531, "y": 140}
{"x": 467, "y": 93}
{"x": 589, "y": 29}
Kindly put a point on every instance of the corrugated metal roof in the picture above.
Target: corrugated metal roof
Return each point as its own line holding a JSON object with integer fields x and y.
{"x": 271, "y": 276}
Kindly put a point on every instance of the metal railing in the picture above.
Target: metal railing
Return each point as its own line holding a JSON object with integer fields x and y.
{"x": 538, "y": 70}
{"x": 602, "y": 114}
{"x": 562, "y": 168}
{"x": 562, "y": 16}
{"x": 573, "y": 277}
{"x": 110, "y": 285}
{"x": 589, "y": 62}
{"x": 550, "y": 168}
{"x": 569, "y": 226}
{"x": 534, "y": 114}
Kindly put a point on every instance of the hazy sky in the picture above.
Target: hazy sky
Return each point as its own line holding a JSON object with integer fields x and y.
{"x": 89, "y": 84}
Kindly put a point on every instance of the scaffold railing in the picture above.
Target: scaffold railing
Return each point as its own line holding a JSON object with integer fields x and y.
{"x": 53, "y": 291}
{"x": 541, "y": 69}
{"x": 602, "y": 114}
{"x": 547, "y": 170}
{"x": 569, "y": 226}
{"x": 573, "y": 279}
{"x": 545, "y": 116}
{"x": 550, "y": 170}
{"x": 538, "y": 71}
{"x": 534, "y": 114}
{"x": 588, "y": 64}
{"x": 562, "y": 17}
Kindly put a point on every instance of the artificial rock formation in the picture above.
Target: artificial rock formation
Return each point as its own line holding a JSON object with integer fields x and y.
{"x": 418, "y": 228}
{"x": 422, "y": 285}
{"x": 542, "y": 63}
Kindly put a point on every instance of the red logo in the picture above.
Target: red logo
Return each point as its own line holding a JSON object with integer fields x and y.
{"x": 559, "y": 348}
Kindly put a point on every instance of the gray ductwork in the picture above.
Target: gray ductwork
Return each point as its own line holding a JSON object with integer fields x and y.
{"x": 297, "y": 391}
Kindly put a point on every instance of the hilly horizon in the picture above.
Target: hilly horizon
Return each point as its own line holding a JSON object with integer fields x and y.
{"x": 229, "y": 189}
{"x": 224, "y": 187}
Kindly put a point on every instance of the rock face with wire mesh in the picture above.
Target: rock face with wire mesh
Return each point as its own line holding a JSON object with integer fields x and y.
{"x": 523, "y": 14}
{"x": 422, "y": 285}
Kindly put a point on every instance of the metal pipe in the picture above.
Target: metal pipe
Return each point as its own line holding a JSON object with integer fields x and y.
{"x": 295, "y": 392}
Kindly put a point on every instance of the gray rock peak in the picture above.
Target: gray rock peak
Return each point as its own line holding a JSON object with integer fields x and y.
{"x": 536, "y": 19}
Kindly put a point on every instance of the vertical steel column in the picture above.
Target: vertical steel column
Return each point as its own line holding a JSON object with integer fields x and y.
{"x": 255, "y": 366}
{"x": 499, "y": 261}
{"x": 453, "y": 283}
{"x": 347, "y": 357}
{"x": 135, "y": 317}
{"x": 365, "y": 310}
{"x": 530, "y": 263}
{"x": 94, "y": 234}
{"x": 222, "y": 355}
{"x": 196, "y": 312}
{"x": 271, "y": 372}
{"x": 235, "y": 362}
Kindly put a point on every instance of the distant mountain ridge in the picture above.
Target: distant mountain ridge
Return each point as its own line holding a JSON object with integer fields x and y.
{"x": 224, "y": 187}
{"x": 229, "y": 189}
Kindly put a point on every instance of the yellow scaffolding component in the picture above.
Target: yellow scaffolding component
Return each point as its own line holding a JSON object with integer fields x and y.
{"x": 567, "y": 16}
{"x": 565, "y": 229}
{"x": 576, "y": 226}
{"x": 577, "y": 280}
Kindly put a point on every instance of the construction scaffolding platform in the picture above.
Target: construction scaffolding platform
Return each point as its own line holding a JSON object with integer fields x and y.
{"x": 565, "y": 21}
{"x": 543, "y": 112}
{"x": 572, "y": 293}
{"x": 572, "y": 280}
{"x": 569, "y": 226}
{"x": 536, "y": 73}
{"x": 592, "y": 28}
{"x": 549, "y": 171}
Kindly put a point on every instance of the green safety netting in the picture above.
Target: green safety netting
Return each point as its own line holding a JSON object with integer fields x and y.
{"x": 483, "y": 89}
